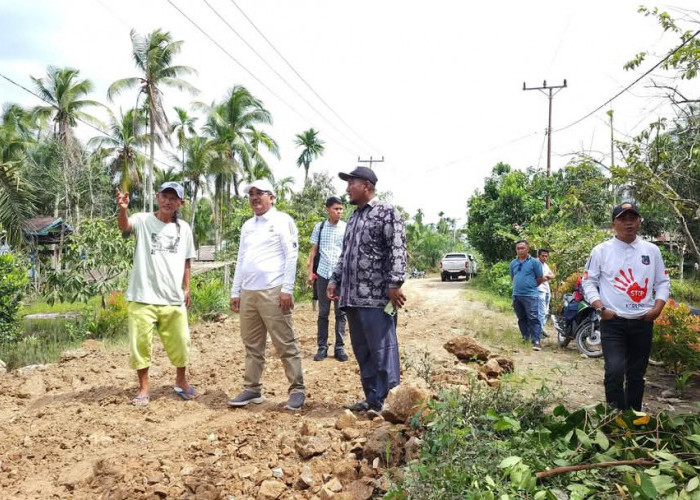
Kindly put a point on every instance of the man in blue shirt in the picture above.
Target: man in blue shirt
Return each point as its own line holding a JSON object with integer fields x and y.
{"x": 526, "y": 273}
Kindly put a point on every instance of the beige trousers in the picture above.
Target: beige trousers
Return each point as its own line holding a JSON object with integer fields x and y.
{"x": 260, "y": 313}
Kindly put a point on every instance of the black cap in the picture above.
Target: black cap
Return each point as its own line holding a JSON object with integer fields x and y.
{"x": 333, "y": 200}
{"x": 623, "y": 208}
{"x": 360, "y": 173}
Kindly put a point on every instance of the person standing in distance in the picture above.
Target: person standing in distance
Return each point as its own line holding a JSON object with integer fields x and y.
{"x": 543, "y": 289}
{"x": 367, "y": 284}
{"x": 627, "y": 283}
{"x": 327, "y": 244}
{"x": 262, "y": 289}
{"x": 159, "y": 286}
{"x": 526, "y": 274}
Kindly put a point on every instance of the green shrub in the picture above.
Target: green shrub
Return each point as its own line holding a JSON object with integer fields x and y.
{"x": 677, "y": 338}
{"x": 209, "y": 298}
{"x": 497, "y": 278}
{"x": 13, "y": 280}
{"x": 112, "y": 321}
{"x": 686, "y": 291}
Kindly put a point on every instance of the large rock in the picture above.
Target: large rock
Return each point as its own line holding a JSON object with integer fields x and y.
{"x": 491, "y": 369}
{"x": 78, "y": 474}
{"x": 345, "y": 470}
{"x": 362, "y": 489}
{"x": 271, "y": 489}
{"x": 467, "y": 348}
{"x": 310, "y": 446}
{"x": 413, "y": 448}
{"x": 347, "y": 419}
{"x": 507, "y": 364}
{"x": 305, "y": 479}
{"x": 403, "y": 402}
{"x": 386, "y": 442}
{"x": 33, "y": 387}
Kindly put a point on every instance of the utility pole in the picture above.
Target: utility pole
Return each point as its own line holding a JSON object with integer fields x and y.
{"x": 550, "y": 92}
{"x": 612, "y": 153}
{"x": 370, "y": 161}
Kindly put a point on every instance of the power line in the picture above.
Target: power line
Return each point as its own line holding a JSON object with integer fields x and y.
{"x": 659, "y": 63}
{"x": 301, "y": 77}
{"x": 252, "y": 75}
{"x": 84, "y": 122}
{"x": 507, "y": 143}
{"x": 281, "y": 77}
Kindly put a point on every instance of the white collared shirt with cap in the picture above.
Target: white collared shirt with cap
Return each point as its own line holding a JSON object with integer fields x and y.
{"x": 267, "y": 253}
{"x": 627, "y": 278}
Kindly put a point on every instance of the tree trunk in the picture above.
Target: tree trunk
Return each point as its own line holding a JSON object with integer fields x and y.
{"x": 194, "y": 206}
{"x": 150, "y": 166}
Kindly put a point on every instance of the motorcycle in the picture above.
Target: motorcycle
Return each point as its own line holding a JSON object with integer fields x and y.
{"x": 579, "y": 321}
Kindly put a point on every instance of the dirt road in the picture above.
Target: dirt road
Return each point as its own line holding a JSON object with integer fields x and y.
{"x": 68, "y": 430}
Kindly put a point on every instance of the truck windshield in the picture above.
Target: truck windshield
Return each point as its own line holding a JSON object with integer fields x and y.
{"x": 456, "y": 256}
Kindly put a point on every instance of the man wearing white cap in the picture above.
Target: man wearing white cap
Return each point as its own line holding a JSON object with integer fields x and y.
{"x": 262, "y": 289}
{"x": 159, "y": 286}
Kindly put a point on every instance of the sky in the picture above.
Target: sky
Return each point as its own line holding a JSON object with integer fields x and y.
{"x": 433, "y": 88}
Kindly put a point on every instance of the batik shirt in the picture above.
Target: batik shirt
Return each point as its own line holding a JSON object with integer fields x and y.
{"x": 373, "y": 257}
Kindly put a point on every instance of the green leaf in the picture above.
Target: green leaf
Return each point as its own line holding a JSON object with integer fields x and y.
{"x": 583, "y": 438}
{"x": 490, "y": 481}
{"x": 509, "y": 462}
{"x": 602, "y": 440}
{"x": 560, "y": 411}
{"x": 663, "y": 484}
{"x": 695, "y": 438}
{"x": 692, "y": 484}
{"x": 663, "y": 455}
{"x": 648, "y": 488}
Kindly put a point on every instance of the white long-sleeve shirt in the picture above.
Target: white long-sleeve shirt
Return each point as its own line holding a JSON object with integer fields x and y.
{"x": 267, "y": 254}
{"x": 626, "y": 277}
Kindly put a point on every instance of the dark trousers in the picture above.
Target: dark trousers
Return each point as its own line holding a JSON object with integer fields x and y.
{"x": 527, "y": 311}
{"x": 373, "y": 337}
{"x": 626, "y": 348}
{"x": 324, "y": 311}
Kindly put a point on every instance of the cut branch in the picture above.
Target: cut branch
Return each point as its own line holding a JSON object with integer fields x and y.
{"x": 573, "y": 468}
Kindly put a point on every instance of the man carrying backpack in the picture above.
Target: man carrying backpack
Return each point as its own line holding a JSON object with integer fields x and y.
{"x": 326, "y": 245}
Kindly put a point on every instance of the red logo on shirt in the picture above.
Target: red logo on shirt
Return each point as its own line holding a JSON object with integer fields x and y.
{"x": 630, "y": 286}
{"x": 585, "y": 275}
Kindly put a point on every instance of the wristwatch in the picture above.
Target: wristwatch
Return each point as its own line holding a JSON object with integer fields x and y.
{"x": 600, "y": 310}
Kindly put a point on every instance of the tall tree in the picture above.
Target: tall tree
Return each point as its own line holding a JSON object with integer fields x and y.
{"x": 312, "y": 148}
{"x": 183, "y": 128}
{"x": 16, "y": 194}
{"x": 64, "y": 92}
{"x": 153, "y": 55}
{"x": 121, "y": 148}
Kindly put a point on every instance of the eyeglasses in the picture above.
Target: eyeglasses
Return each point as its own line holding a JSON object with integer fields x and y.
{"x": 258, "y": 194}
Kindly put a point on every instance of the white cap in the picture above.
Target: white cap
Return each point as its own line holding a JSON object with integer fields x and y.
{"x": 260, "y": 185}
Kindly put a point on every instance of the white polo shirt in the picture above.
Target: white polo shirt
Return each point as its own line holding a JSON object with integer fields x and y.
{"x": 626, "y": 277}
{"x": 267, "y": 254}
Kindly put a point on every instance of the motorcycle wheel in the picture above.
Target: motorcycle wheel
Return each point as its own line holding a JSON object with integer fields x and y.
{"x": 588, "y": 338}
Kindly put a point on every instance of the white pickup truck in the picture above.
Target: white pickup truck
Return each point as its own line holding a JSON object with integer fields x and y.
{"x": 454, "y": 265}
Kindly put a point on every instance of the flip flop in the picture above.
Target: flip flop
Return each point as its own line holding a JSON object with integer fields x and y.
{"x": 140, "y": 400}
{"x": 186, "y": 395}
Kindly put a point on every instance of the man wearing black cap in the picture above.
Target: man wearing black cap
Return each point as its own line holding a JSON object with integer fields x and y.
{"x": 367, "y": 283}
{"x": 627, "y": 283}
{"x": 327, "y": 243}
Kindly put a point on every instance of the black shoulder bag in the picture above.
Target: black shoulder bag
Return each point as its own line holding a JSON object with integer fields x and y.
{"x": 317, "y": 257}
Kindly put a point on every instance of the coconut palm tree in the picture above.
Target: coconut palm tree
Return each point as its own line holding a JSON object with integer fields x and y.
{"x": 182, "y": 127}
{"x": 121, "y": 147}
{"x": 16, "y": 194}
{"x": 65, "y": 95}
{"x": 153, "y": 55}
{"x": 200, "y": 156}
{"x": 64, "y": 92}
{"x": 313, "y": 147}
{"x": 283, "y": 188}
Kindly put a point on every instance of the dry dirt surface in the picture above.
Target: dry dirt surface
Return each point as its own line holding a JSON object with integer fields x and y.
{"x": 68, "y": 430}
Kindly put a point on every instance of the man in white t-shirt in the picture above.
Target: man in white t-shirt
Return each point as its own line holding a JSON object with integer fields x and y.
{"x": 543, "y": 289}
{"x": 263, "y": 284}
{"x": 159, "y": 286}
{"x": 626, "y": 281}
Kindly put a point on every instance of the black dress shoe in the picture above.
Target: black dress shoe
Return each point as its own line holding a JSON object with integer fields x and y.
{"x": 321, "y": 355}
{"x": 358, "y": 407}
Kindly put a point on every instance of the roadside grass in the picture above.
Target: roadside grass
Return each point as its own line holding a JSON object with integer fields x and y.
{"x": 687, "y": 291}
{"x": 41, "y": 307}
